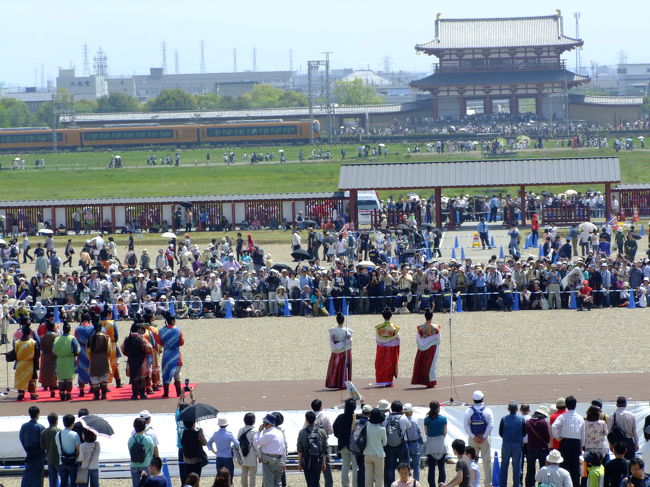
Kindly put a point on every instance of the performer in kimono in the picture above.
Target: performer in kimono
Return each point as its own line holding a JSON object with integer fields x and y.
{"x": 387, "y": 359}
{"x": 151, "y": 334}
{"x": 66, "y": 349}
{"x": 27, "y": 353}
{"x": 339, "y": 369}
{"x": 110, "y": 328}
{"x": 171, "y": 338}
{"x": 82, "y": 333}
{"x": 97, "y": 349}
{"x": 48, "y": 377}
{"x": 426, "y": 359}
{"x": 136, "y": 348}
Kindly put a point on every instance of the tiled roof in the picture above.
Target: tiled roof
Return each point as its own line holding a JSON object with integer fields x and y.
{"x": 606, "y": 100}
{"x": 498, "y": 78}
{"x": 499, "y": 32}
{"x": 480, "y": 174}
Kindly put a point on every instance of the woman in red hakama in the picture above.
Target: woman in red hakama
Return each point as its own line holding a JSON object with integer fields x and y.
{"x": 339, "y": 369}
{"x": 426, "y": 359}
{"x": 387, "y": 359}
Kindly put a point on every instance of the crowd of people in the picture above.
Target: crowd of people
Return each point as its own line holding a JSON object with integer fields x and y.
{"x": 550, "y": 446}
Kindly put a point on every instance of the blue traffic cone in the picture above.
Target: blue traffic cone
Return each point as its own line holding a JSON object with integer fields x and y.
{"x": 515, "y": 301}
{"x": 165, "y": 472}
{"x": 642, "y": 231}
{"x": 528, "y": 241}
{"x": 459, "y": 304}
{"x": 541, "y": 251}
{"x": 462, "y": 252}
{"x": 456, "y": 243}
{"x": 330, "y": 307}
{"x": 116, "y": 316}
{"x": 344, "y": 307}
{"x": 57, "y": 316}
{"x": 287, "y": 312}
{"x": 492, "y": 241}
{"x": 172, "y": 308}
{"x": 573, "y": 304}
{"x": 228, "y": 310}
{"x": 631, "y": 304}
{"x": 453, "y": 253}
{"x": 496, "y": 471}
{"x": 501, "y": 254}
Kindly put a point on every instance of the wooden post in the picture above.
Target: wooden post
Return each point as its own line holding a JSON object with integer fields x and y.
{"x": 522, "y": 197}
{"x": 113, "y": 218}
{"x": 352, "y": 206}
{"x": 232, "y": 223}
{"x": 293, "y": 211}
{"x": 608, "y": 202}
{"x": 438, "y": 202}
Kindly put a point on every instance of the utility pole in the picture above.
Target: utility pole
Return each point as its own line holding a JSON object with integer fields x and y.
{"x": 328, "y": 96}
{"x": 202, "y": 68}
{"x": 53, "y": 122}
{"x": 254, "y": 59}
{"x": 175, "y": 61}
{"x": 234, "y": 60}
{"x": 86, "y": 60}
{"x": 576, "y": 15}
{"x": 164, "y": 57}
{"x": 313, "y": 66}
{"x": 291, "y": 60}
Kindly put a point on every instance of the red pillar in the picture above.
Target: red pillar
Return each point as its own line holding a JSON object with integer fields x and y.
{"x": 438, "y": 210}
{"x": 608, "y": 201}
{"x": 54, "y": 219}
{"x": 113, "y": 218}
{"x": 352, "y": 206}
{"x": 232, "y": 206}
{"x": 522, "y": 197}
{"x": 462, "y": 106}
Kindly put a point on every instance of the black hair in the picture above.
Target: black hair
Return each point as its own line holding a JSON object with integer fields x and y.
{"x": 310, "y": 417}
{"x": 316, "y": 405}
{"x": 396, "y": 407}
{"x": 376, "y": 416}
{"x": 621, "y": 402}
{"x": 82, "y": 412}
{"x": 434, "y": 409}
{"x": 637, "y": 461}
{"x": 620, "y": 448}
{"x": 279, "y": 418}
{"x": 571, "y": 403}
{"x": 139, "y": 425}
{"x": 340, "y": 318}
{"x": 471, "y": 452}
{"x": 404, "y": 465}
{"x": 34, "y": 412}
{"x": 156, "y": 462}
{"x": 593, "y": 413}
{"x": 49, "y": 326}
{"x": 68, "y": 420}
{"x": 387, "y": 313}
{"x": 428, "y": 314}
{"x": 52, "y": 419}
{"x": 458, "y": 445}
{"x": 66, "y": 327}
{"x": 249, "y": 419}
{"x": 89, "y": 436}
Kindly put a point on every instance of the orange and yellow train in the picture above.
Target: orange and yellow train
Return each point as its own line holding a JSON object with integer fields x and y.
{"x": 138, "y": 135}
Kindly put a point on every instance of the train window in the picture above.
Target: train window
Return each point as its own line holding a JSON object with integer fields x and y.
{"x": 251, "y": 131}
{"x": 128, "y": 135}
{"x": 27, "y": 138}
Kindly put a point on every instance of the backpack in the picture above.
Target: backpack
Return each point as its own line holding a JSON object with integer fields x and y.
{"x": 394, "y": 431}
{"x": 548, "y": 482}
{"x": 616, "y": 434}
{"x": 314, "y": 451}
{"x": 478, "y": 421}
{"x": 244, "y": 443}
{"x": 358, "y": 438}
{"x": 137, "y": 451}
{"x": 132, "y": 260}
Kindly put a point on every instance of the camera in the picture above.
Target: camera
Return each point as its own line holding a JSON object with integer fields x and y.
{"x": 187, "y": 387}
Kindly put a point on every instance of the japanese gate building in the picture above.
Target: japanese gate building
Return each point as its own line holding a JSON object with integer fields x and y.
{"x": 510, "y": 65}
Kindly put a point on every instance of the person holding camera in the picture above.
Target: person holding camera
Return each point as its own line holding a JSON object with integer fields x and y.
{"x": 269, "y": 441}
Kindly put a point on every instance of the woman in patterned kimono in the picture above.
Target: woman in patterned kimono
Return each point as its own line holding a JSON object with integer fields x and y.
{"x": 387, "y": 358}
{"x": 339, "y": 369}
{"x": 426, "y": 359}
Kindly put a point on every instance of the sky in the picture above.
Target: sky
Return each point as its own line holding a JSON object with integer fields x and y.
{"x": 43, "y": 35}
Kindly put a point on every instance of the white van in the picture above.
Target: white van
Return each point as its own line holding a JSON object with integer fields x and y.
{"x": 367, "y": 202}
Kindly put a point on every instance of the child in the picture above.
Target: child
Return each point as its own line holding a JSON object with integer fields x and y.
{"x": 595, "y": 469}
{"x": 475, "y": 472}
{"x": 405, "y": 479}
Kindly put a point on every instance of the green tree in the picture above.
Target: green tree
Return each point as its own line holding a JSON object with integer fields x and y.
{"x": 174, "y": 99}
{"x": 14, "y": 113}
{"x": 355, "y": 92}
{"x": 645, "y": 108}
{"x": 209, "y": 101}
{"x": 85, "y": 106}
{"x": 118, "y": 102}
{"x": 290, "y": 98}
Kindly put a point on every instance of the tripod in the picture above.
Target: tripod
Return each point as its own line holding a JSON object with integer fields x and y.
{"x": 452, "y": 377}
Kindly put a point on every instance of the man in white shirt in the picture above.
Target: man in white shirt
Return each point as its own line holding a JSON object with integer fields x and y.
{"x": 627, "y": 422}
{"x": 269, "y": 441}
{"x": 569, "y": 429}
{"x": 295, "y": 240}
{"x": 478, "y": 423}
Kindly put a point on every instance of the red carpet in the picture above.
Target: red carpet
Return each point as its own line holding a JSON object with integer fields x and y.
{"x": 115, "y": 394}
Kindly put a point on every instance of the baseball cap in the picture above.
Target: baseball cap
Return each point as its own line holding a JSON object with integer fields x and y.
{"x": 477, "y": 396}
{"x": 145, "y": 414}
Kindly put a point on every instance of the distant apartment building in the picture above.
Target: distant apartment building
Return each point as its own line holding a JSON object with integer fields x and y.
{"x": 81, "y": 87}
{"x": 633, "y": 79}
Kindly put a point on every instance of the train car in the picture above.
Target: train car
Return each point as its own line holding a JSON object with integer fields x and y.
{"x": 257, "y": 131}
{"x": 139, "y": 135}
{"x": 37, "y": 138}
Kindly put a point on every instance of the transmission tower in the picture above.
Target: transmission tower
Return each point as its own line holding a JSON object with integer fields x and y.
{"x": 42, "y": 75}
{"x": 234, "y": 60}
{"x": 388, "y": 62}
{"x": 100, "y": 64}
{"x": 312, "y": 67}
{"x": 86, "y": 60}
{"x": 254, "y": 59}
{"x": 164, "y": 56}
{"x": 576, "y": 15}
{"x": 176, "y": 61}
{"x": 202, "y": 68}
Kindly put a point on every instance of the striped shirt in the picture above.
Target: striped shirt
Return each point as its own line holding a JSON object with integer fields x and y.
{"x": 570, "y": 426}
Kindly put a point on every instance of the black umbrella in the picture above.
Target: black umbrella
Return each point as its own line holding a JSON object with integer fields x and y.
{"x": 409, "y": 253}
{"x": 309, "y": 223}
{"x": 428, "y": 226}
{"x": 198, "y": 412}
{"x": 185, "y": 204}
{"x": 97, "y": 425}
{"x": 402, "y": 226}
{"x": 281, "y": 267}
{"x": 300, "y": 254}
